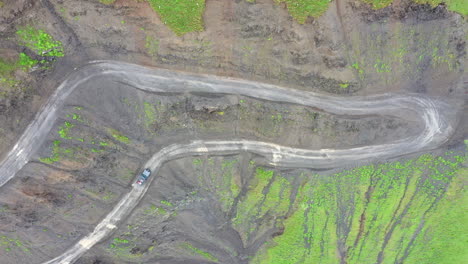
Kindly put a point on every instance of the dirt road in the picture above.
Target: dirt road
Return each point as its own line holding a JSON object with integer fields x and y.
{"x": 437, "y": 117}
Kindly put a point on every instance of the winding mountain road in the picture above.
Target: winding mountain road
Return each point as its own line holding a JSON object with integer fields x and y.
{"x": 438, "y": 117}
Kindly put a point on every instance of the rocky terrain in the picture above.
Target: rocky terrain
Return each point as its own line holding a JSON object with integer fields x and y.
{"x": 236, "y": 208}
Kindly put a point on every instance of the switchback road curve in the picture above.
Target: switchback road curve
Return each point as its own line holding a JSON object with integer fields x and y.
{"x": 438, "y": 117}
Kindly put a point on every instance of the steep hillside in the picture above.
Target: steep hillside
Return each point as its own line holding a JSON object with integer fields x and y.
{"x": 235, "y": 208}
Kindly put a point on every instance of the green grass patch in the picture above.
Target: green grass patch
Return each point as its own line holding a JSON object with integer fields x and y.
{"x": 151, "y": 45}
{"x": 268, "y": 195}
{"x": 119, "y": 136}
{"x": 443, "y": 239}
{"x": 40, "y": 42}
{"x": 64, "y": 130}
{"x": 76, "y": 117}
{"x": 7, "y": 67}
{"x": 220, "y": 178}
{"x": 150, "y": 113}
{"x": 26, "y": 62}
{"x": 459, "y": 6}
{"x": 182, "y": 16}
{"x": 166, "y": 203}
{"x": 154, "y": 210}
{"x": 8, "y": 81}
{"x": 57, "y": 153}
{"x": 8, "y": 243}
{"x": 344, "y": 85}
{"x": 378, "y": 4}
{"x": 301, "y": 9}
{"x": 107, "y": 2}
{"x": 403, "y": 212}
{"x": 199, "y": 252}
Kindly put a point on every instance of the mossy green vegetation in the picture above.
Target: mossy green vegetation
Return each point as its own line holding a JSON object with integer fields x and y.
{"x": 396, "y": 212}
{"x": 40, "y": 42}
{"x": 166, "y": 203}
{"x": 150, "y": 114}
{"x": 404, "y": 212}
{"x": 409, "y": 51}
{"x": 122, "y": 248}
{"x": 199, "y": 252}
{"x": 8, "y": 244}
{"x": 458, "y": 6}
{"x": 107, "y": 2}
{"x": 268, "y": 194}
{"x": 64, "y": 130}
{"x": 378, "y": 4}
{"x": 8, "y": 67}
{"x": 26, "y": 62}
{"x": 220, "y": 179}
{"x": 301, "y": 9}
{"x": 151, "y": 45}
{"x": 182, "y": 16}
{"x": 443, "y": 238}
{"x": 70, "y": 138}
{"x": 56, "y": 151}
{"x": 153, "y": 210}
{"x": 119, "y": 136}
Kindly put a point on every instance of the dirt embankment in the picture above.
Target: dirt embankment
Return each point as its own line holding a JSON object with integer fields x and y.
{"x": 351, "y": 49}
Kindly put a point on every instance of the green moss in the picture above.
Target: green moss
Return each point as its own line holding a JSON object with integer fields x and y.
{"x": 358, "y": 68}
{"x": 378, "y": 4}
{"x": 344, "y": 85}
{"x": 26, "y": 62}
{"x": 380, "y": 66}
{"x": 301, "y": 9}
{"x": 7, "y": 67}
{"x": 76, "y": 117}
{"x": 219, "y": 179}
{"x": 154, "y": 210}
{"x": 118, "y": 136}
{"x": 182, "y": 16}
{"x": 267, "y": 195}
{"x": 40, "y": 42}
{"x": 107, "y": 2}
{"x": 458, "y": 6}
{"x": 151, "y": 45}
{"x": 166, "y": 203}
{"x": 8, "y": 243}
{"x": 150, "y": 113}
{"x": 399, "y": 212}
{"x": 199, "y": 252}
{"x": 64, "y": 130}
{"x": 57, "y": 153}
{"x": 443, "y": 238}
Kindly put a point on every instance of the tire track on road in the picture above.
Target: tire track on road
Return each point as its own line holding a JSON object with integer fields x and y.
{"x": 438, "y": 117}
